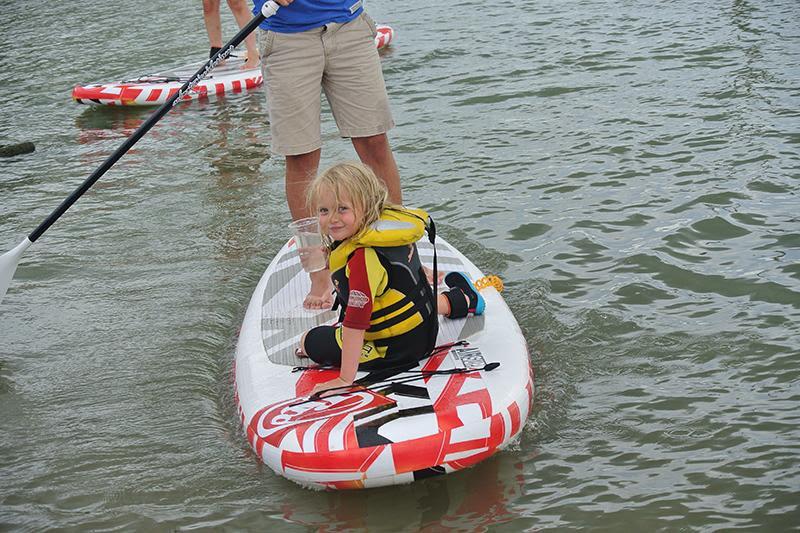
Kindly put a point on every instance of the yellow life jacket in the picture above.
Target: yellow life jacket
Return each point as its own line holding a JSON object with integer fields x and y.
{"x": 395, "y": 227}
{"x": 404, "y": 301}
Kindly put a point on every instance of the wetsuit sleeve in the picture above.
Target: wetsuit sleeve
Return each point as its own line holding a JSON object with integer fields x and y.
{"x": 366, "y": 278}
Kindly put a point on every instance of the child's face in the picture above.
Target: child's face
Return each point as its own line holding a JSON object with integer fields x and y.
{"x": 337, "y": 219}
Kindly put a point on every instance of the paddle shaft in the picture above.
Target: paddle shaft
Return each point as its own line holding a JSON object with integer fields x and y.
{"x": 385, "y": 383}
{"x": 157, "y": 115}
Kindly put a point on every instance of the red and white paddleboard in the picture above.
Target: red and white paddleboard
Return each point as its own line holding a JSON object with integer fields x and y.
{"x": 155, "y": 89}
{"x": 417, "y": 424}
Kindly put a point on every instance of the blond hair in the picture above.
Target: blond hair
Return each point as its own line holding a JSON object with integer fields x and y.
{"x": 356, "y": 181}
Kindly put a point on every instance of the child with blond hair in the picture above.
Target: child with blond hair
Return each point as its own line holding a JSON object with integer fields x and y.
{"x": 388, "y": 309}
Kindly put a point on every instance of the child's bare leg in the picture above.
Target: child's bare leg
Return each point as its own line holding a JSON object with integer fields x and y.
{"x": 300, "y": 351}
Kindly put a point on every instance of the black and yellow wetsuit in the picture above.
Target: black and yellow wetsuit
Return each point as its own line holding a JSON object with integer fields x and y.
{"x": 383, "y": 290}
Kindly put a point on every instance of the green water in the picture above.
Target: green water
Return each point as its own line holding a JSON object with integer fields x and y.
{"x": 630, "y": 169}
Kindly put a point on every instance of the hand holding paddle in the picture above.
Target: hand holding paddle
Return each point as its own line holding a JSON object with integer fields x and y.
{"x": 10, "y": 259}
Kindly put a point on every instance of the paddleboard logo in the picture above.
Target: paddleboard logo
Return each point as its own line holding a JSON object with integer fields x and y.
{"x": 222, "y": 55}
{"x": 470, "y": 357}
{"x": 319, "y": 417}
{"x": 357, "y": 299}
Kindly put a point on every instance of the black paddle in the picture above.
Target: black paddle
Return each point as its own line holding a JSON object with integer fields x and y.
{"x": 388, "y": 383}
{"x": 10, "y": 259}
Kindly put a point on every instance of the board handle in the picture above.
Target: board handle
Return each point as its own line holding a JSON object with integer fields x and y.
{"x": 489, "y": 281}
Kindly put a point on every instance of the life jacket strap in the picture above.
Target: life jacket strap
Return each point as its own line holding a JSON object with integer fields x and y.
{"x": 419, "y": 301}
{"x": 433, "y": 294}
{"x": 389, "y": 309}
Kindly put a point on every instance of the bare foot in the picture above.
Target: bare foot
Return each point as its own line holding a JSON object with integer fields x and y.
{"x": 321, "y": 294}
{"x": 251, "y": 62}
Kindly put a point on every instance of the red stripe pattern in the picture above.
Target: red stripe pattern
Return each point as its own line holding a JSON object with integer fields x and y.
{"x": 127, "y": 94}
{"x": 317, "y": 442}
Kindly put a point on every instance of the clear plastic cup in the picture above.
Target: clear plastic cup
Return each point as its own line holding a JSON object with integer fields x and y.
{"x": 309, "y": 244}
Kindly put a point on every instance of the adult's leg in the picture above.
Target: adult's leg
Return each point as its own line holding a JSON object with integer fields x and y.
{"x": 356, "y": 90}
{"x": 293, "y": 65}
{"x": 243, "y": 15}
{"x": 213, "y": 22}
{"x": 300, "y": 170}
{"x": 375, "y": 152}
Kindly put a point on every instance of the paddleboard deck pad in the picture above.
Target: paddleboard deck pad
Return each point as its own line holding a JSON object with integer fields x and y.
{"x": 408, "y": 427}
{"x": 157, "y": 88}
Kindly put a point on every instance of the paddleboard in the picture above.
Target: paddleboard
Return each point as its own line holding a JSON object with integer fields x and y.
{"x": 454, "y": 409}
{"x": 157, "y": 88}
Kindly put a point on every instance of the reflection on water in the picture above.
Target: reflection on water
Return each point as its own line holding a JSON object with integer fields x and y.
{"x": 98, "y": 123}
{"x": 235, "y": 150}
{"x": 482, "y": 498}
{"x": 629, "y": 170}
{"x": 103, "y": 129}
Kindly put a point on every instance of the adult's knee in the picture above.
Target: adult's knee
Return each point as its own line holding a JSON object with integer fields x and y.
{"x": 303, "y": 163}
{"x": 373, "y": 142}
{"x": 210, "y": 6}
{"x": 300, "y": 158}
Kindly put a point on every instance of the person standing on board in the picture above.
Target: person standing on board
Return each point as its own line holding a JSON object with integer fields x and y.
{"x": 313, "y": 45}
{"x": 214, "y": 28}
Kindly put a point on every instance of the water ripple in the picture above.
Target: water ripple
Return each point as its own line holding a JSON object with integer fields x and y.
{"x": 629, "y": 170}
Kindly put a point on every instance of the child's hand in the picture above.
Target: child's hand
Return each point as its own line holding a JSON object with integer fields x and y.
{"x": 332, "y": 384}
{"x": 429, "y": 275}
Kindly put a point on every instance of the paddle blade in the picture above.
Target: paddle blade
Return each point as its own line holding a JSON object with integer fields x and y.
{"x": 8, "y": 265}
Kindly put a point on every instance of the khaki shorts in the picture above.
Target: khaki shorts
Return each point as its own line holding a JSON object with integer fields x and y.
{"x": 339, "y": 58}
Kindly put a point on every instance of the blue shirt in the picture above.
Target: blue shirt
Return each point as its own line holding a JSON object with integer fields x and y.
{"x": 302, "y": 15}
